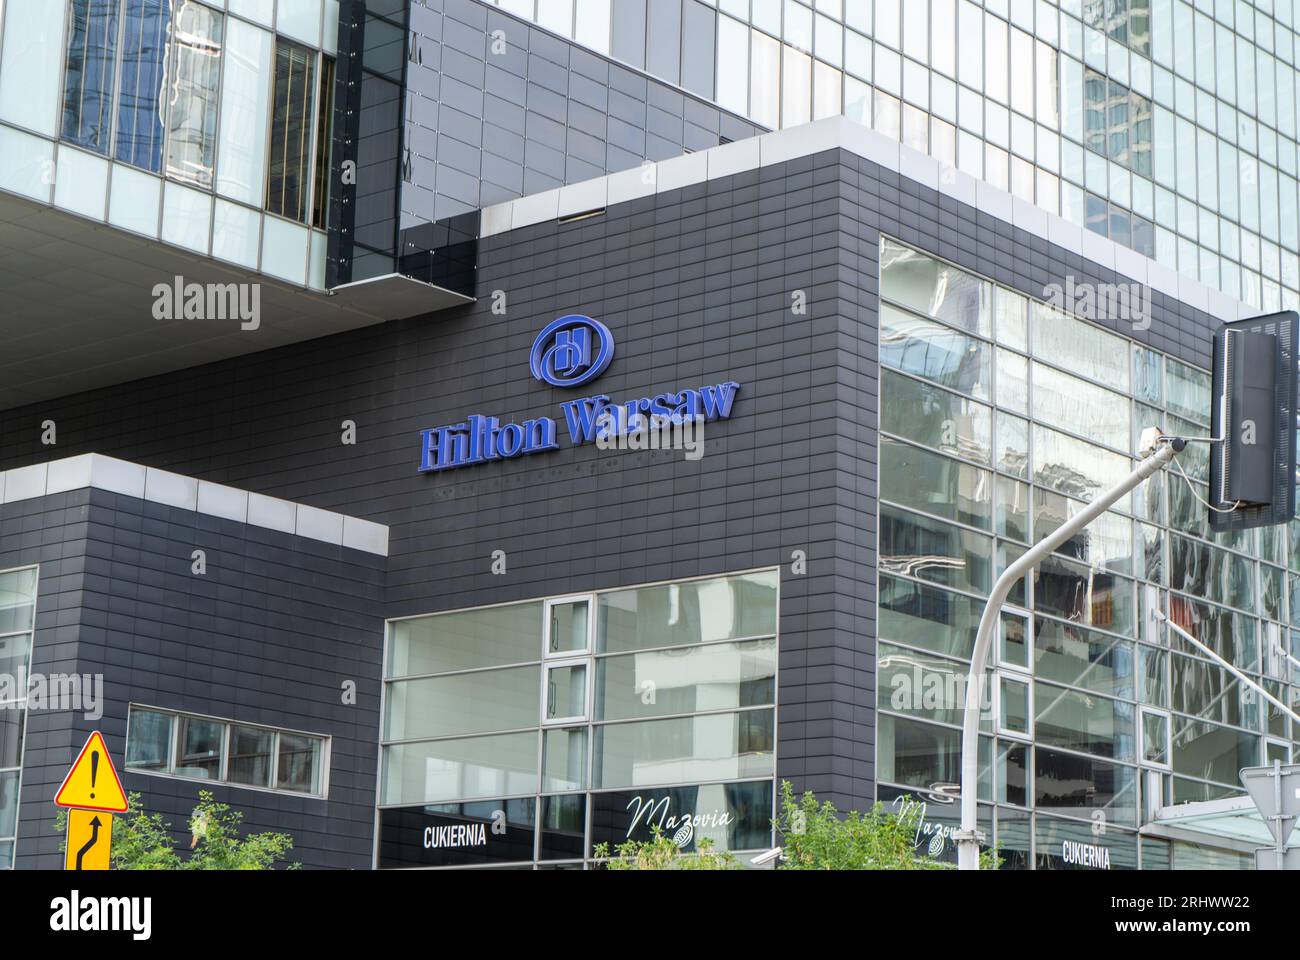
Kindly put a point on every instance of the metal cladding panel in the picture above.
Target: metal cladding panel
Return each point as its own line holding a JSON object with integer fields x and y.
{"x": 1254, "y": 412}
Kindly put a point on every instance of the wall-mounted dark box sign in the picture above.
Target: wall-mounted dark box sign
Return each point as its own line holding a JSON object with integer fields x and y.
{"x": 735, "y": 816}
{"x": 482, "y": 832}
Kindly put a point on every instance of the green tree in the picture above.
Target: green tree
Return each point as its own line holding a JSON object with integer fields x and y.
{"x": 142, "y": 841}
{"x": 661, "y": 853}
{"x": 814, "y": 836}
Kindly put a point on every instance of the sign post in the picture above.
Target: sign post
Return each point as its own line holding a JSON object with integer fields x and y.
{"x": 90, "y": 838}
{"x": 92, "y": 792}
{"x": 1276, "y": 792}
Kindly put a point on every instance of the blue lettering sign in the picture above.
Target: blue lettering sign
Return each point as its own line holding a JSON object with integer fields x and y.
{"x": 570, "y": 351}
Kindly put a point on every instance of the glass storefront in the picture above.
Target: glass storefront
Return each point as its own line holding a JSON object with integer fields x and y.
{"x": 530, "y": 732}
{"x": 1001, "y": 417}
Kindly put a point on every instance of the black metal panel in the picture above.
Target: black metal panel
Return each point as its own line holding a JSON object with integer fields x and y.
{"x": 1254, "y": 412}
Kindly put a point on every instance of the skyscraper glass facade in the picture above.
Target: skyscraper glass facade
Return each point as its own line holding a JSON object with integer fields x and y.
{"x": 1000, "y": 418}
{"x": 1168, "y": 126}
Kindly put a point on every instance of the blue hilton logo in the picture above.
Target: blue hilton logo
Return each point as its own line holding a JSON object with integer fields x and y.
{"x": 571, "y": 351}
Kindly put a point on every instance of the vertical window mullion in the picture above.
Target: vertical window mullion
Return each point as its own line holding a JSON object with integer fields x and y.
{"x": 174, "y": 750}
{"x": 275, "y": 760}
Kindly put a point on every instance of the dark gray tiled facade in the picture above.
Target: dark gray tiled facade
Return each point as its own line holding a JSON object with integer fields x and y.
{"x": 267, "y": 635}
{"x": 481, "y": 107}
{"x": 497, "y": 108}
{"x": 696, "y": 285}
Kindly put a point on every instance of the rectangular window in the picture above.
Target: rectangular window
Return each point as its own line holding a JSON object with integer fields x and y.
{"x": 676, "y": 614}
{"x": 466, "y": 640}
{"x": 765, "y": 81}
{"x": 928, "y": 617}
{"x": 727, "y": 746}
{"x": 139, "y": 98}
{"x": 566, "y": 692}
{"x": 470, "y": 769}
{"x": 288, "y": 188}
{"x": 88, "y": 78}
{"x": 245, "y": 111}
{"x": 1015, "y": 706}
{"x": 1155, "y": 738}
{"x": 568, "y": 626}
{"x": 936, "y": 352}
{"x": 201, "y": 748}
{"x": 935, "y": 289}
{"x": 149, "y": 741}
{"x": 251, "y": 750}
{"x": 193, "y": 83}
{"x": 946, "y": 488}
{"x": 733, "y": 65}
{"x": 646, "y": 685}
{"x": 481, "y": 701}
{"x": 916, "y": 546}
{"x": 299, "y": 766}
{"x": 1083, "y": 658}
{"x": 947, "y": 422}
{"x": 796, "y": 89}
{"x": 1073, "y": 785}
{"x": 204, "y": 748}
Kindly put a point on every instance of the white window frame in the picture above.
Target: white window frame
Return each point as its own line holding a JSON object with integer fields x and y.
{"x": 1167, "y": 765}
{"x": 1015, "y": 676}
{"x": 561, "y": 664}
{"x": 1027, "y": 617}
{"x": 1278, "y": 742}
{"x": 547, "y": 652}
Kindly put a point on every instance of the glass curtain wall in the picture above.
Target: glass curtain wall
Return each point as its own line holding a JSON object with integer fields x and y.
{"x": 592, "y": 705}
{"x": 214, "y": 100}
{"x": 1000, "y": 418}
{"x": 17, "y": 621}
{"x": 193, "y": 82}
{"x": 288, "y": 186}
{"x": 88, "y": 80}
{"x": 139, "y": 107}
{"x": 1189, "y": 149}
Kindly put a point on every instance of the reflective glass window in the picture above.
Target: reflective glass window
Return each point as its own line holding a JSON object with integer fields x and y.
{"x": 193, "y": 82}
{"x": 90, "y": 72}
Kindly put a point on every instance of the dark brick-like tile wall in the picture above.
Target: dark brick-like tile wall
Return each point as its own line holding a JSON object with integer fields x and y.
{"x": 267, "y": 635}
{"x": 498, "y": 108}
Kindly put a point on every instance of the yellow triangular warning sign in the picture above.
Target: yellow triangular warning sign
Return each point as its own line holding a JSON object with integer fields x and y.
{"x": 92, "y": 783}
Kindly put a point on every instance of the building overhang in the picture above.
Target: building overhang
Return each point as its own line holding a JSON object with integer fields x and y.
{"x": 396, "y": 296}
{"x": 79, "y": 306}
{"x": 1233, "y": 823}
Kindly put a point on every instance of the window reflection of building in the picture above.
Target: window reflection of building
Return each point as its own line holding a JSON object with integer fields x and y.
{"x": 681, "y": 699}
{"x": 1105, "y": 678}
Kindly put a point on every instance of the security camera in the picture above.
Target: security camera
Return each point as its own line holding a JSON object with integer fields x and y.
{"x": 763, "y": 859}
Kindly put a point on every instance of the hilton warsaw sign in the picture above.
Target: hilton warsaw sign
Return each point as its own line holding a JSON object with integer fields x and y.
{"x": 569, "y": 352}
